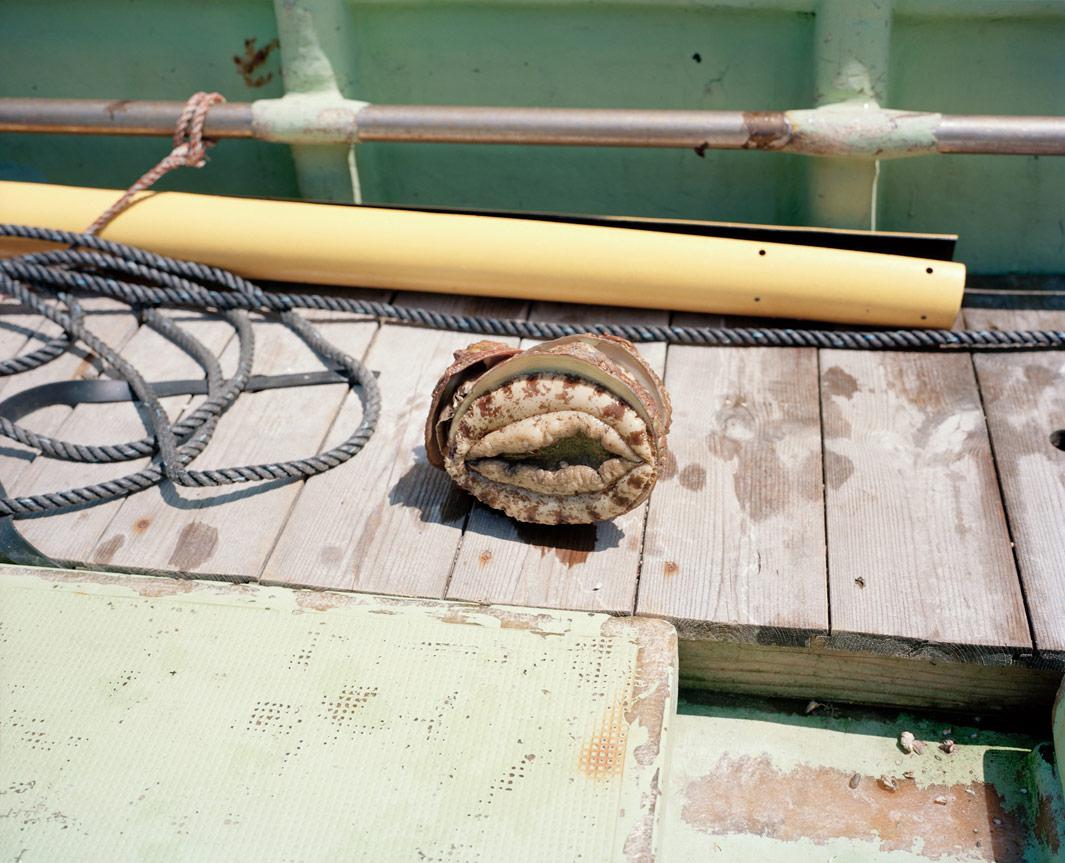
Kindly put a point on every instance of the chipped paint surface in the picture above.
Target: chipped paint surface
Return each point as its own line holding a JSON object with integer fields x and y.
{"x": 862, "y": 130}
{"x": 214, "y": 717}
{"x": 752, "y": 782}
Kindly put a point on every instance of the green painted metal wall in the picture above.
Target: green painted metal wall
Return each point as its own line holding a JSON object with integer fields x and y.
{"x": 954, "y": 56}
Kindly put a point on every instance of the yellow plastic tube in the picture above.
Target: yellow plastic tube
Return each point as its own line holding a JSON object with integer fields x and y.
{"x": 381, "y": 248}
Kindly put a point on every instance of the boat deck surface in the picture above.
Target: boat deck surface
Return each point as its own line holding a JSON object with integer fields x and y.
{"x": 865, "y": 526}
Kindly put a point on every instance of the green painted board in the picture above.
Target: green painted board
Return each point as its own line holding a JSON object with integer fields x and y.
{"x": 752, "y": 781}
{"x": 154, "y": 719}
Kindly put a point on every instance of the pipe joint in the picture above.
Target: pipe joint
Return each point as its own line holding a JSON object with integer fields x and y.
{"x": 862, "y": 130}
{"x": 307, "y": 118}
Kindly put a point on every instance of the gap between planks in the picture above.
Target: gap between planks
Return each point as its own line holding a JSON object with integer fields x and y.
{"x": 387, "y": 521}
{"x": 1023, "y": 404}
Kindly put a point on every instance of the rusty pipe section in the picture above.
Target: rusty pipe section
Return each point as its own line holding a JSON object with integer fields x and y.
{"x": 846, "y": 129}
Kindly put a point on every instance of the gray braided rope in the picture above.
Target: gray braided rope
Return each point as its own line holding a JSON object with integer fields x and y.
{"x": 178, "y": 444}
{"x": 148, "y": 281}
{"x": 169, "y": 282}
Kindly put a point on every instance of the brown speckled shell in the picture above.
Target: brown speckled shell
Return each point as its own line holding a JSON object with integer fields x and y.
{"x": 470, "y": 363}
{"x": 525, "y": 505}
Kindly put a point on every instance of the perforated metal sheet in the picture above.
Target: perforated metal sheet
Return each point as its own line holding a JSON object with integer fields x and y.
{"x": 157, "y": 719}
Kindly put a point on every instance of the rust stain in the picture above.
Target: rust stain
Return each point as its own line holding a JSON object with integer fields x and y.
{"x": 749, "y": 795}
{"x": 116, "y": 106}
{"x": 196, "y": 543}
{"x": 602, "y": 754}
{"x": 484, "y": 557}
{"x": 252, "y": 59}
{"x": 141, "y": 525}
{"x": 668, "y": 470}
{"x": 764, "y": 130}
{"x": 85, "y": 367}
{"x": 670, "y": 568}
{"x": 105, "y": 553}
{"x": 693, "y": 477}
{"x": 838, "y": 383}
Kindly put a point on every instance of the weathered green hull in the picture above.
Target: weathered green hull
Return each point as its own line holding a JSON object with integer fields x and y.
{"x": 977, "y": 57}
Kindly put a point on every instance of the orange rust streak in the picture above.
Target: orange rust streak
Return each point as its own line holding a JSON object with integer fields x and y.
{"x": 602, "y": 755}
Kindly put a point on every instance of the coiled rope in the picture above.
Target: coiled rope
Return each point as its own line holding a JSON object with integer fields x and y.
{"x": 48, "y": 284}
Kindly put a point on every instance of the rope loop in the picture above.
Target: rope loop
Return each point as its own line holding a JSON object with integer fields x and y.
{"x": 189, "y": 151}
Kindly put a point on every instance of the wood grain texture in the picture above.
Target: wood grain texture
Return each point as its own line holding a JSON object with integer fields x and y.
{"x": 21, "y": 331}
{"x": 1024, "y": 401}
{"x": 74, "y": 535}
{"x": 817, "y": 673}
{"x": 588, "y": 567}
{"x": 386, "y": 521}
{"x": 918, "y": 549}
{"x": 230, "y": 530}
{"x": 735, "y": 532}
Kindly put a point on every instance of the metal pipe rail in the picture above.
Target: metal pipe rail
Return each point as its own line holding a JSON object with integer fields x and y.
{"x": 861, "y": 130}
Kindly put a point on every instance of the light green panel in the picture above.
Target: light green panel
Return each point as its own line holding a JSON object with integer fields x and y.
{"x": 137, "y": 50}
{"x": 750, "y": 782}
{"x": 1008, "y": 210}
{"x": 155, "y": 719}
{"x": 579, "y": 55}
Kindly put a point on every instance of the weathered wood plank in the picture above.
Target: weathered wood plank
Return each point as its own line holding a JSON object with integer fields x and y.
{"x": 387, "y": 521}
{"x": 21, "y": 331}
{"x": 73, "y": 535}
{"x": 735, "y": 533}
{"x": 1024, "y": 401}
{"x": 862, "y": 677}
{"x": 592, "y": 567}
{"x": 918, "y": 549}
{"x": 230, "y": 530}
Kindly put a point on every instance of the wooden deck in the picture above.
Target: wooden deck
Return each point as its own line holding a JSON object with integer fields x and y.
{"x": 879, "y": 527}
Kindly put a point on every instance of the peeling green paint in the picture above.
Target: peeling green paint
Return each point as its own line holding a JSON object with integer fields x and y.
{"x": 827, "y": 746}
{"x": 861, "y": 130}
